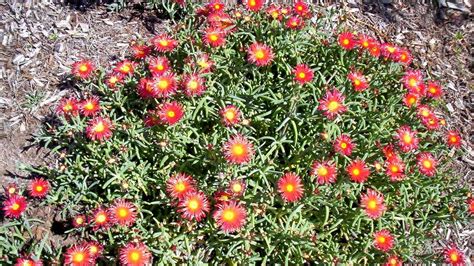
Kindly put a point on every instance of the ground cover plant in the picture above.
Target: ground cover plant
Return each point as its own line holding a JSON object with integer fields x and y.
{"x": 247, "y": 135}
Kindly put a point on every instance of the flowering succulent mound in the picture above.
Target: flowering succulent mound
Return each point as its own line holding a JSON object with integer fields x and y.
{"x": 252, "y": 135}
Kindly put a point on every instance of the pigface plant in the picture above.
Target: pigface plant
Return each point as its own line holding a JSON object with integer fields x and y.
{"x": 263, "y": 134}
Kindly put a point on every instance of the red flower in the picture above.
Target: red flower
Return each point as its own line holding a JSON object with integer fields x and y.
{"x": 290, "y": 187}
{"x": 431, "y": 122}
{"x": 395, "y": 170}
{"x": 407, "y": 139}
{"x": 125, "y": 67}
{"x": 78, "y": 255}
{"x": 122, "y": 212}
{"x": 390, "y": 153}
{"x": 373, "y": 204}
{"x": 470, "y": 203}
{"x": 216, "y": 6}
{"x": 358, "y": 171}
{"x": 393, "y": 261}
{"x": 90, "y": 106}
{"x": 427, "y": 163}
{"x": 274, "y": 11}
{"x": 99, "y": 129}
{"x": 170, "y": 113}
{"x": 28, "y": 261}
{"x": 135, "y": 254}
{"x": 230, "y": 115}
{"x": 221, "y": 196}
{"x": 38, "y": 188}
{"x": 79, "y": 221}
{"x": 140, "y": 51}
{"x": 453, "y": 255}
{"x": 383, "y": 240}
{"x": 158, "y": 65}
{"x": 83, "y": 69}
{"x": 303, "y": 74}
{"x": 146, "y": 89}
{"x": 346, "y": 40}
{"x": 424, "y": 112}
{"x": 14, "y": 206}
{"x": 238, "y": 150}
{"x": 113, "y": 79}
{"x": 359, "y": 82}
{"x": 411, "y": 99}
{"x": 100, "y": 219}
{"x": 193, "y": 85}
{"x": 68, "y": 107}
{"x": 95, "y": 249}
{"x": 194, "y": 205}
{"x": 364, "y": 41}
{"x": 453, "y": 139}
{"x": 434, "y": 90}
{"x": 260, "y": 54}
{"x": 177, "y": 186}
{"x": 237, "y": 187}
{"x": 11, "y": 189}
{"x": 332, "y": 104}
{"x": 374, "y": 49}
{"x": 230, "y": 216}
{"x": 389, "y": 50}
{"x": 295, "y": 23}
{"x": 301, "y": 8}
{"x": 214, "y": 37}
{"x": 254, "y": 5}
{"x": 343, "y": 145}
{"x": 163, "y": 43}
{"x": 325, "y": 172}
{"x": 164, "y": 85}
{"x": 204, "y": 63}
{"x": 152, "y": 118}
{"x": 413, "y": 81}
{"x": 403, "y": 56}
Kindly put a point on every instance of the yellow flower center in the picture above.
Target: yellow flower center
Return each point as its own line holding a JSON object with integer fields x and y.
{"x": 346, "y": 41}
{"x": 193, "y": 85}
{"x": 290, "y": 188}
{"x": 134, "y": 256}
{"x": 299, "y": 8}
{"x": 252, "y": 3}
{"x": 113, "y": 80}
{"x": 193, "y": 205}
{"x": 237, "y": 187}
{"x": 275, "y": 14}
{"x": 67, "y": 107}
{"x": 322, "y": 171}
{"x": 93, "y": 249}
{"x": 228, "y": 215}
{"x": 122, "y": 212}
{"x": 391, "y": 49}
{"x": 163, "y": 84}
{"x": 356, "y": 172}
{"x": 11, "y": 190}
{"x": 100, "y": 127}
{"x": 203, "y": 63}
{"x": 171, "y": 114}
{"x": 230, "y": 115}
{"x": 101, "y": 218}
{"x": 343, "y": 145}
{"x": 393, "y": 262}
{"x": 365, "y": 44}
{"x": 381, "y": 239}
{"x": 453, "y": 139}
{"x": 164, "y": 43}
{"x": 83, "y": 68}
{"x": 333, "y": 106}
{"x": 160, "y": 67}
{"x": 89, "y": 106}
{"x": 259, "y": 54}
{"x": 180, "y": 186}
{"x": 357, "y": 82}
{"x": 79, "y": 220}
{"x": 39, "y": 188}
{"x": 407, "y": 138}
{"x": 427, "y": 164}
{"x": 372, "y": 204}
{"x": 15, "y": 206}
{"x": 413, "y": 82}
{"x": 454, "y": 257}
{"x": 213, "y": 37}
{"x": 394, "y": 169}
{"x": 238, "y": 149}
{"x": 301, "y": 75}
{"x": 78, "y": 257}
{"x": 403, "y": 57}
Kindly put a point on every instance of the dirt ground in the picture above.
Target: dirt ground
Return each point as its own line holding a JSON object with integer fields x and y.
{"x": 40, "y": 40}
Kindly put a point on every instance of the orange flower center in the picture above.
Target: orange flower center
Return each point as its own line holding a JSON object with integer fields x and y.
{"x": 101, "y": 218}
{"x": 180, "y": 186}
{"x": 252, "y": 3}
{"x": 403, "y": 57}
{"x": 407, "y": 138}
{"x": 299, "y": 8}
{"x": 259, "y": 54}
{"x": 333, "y": 106}
{"x": 83, "y": 68}
{"x": 432, "y": 89}
{"x": 322, "y": 171}
{"x": 394, "y": 169}
{"x": 294, "y": 23}
{"x": 122, "y": 212}
{"x": 27, "y": 263}
{"x": 213, "y": 37}
{"x": 237, "y": 187}
{"x": 217, "y": 6}
{"x": 365, "y": 44}
{"x": 391, "y": 49}
{"x": 357, "y": 82}
{"x": 228, "y": 215}
{"x": 427, "y": 164}
{"x": 453, "y": 139}
{"x": 290, "y": 187}
{"x": 125, "y": 68}
{"x": 160, "y": 67}
{"x": 393, "y": 261}
{"x": 78, "y": 257}
{"x": 346, "y": 41}
{"x": 163, "y": 84}
{"x": 93, "y": 249}
{"x": 238, "y": 149}
{"x": 454, "y": 257}
{"x": 372, "y": 205}
{"x": 134, "y": 256}
{"x": 381, "y": 239}
{"x": 89, "y": 106}
{"x": 15, "y": 206}
{"x": 164, "y": 43}
{"x": 413, "y": 82}
{"x": 193, "y": 85}
{"x": 39, "y": 188}
{"x": 193, "y": 204}
{"x": 67, "y": 107}
{"x": 356, "y": 172}
{"x": 100, "y": 127}
{"x": 171, "y": 114}
{"x": 412, "y": 100}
